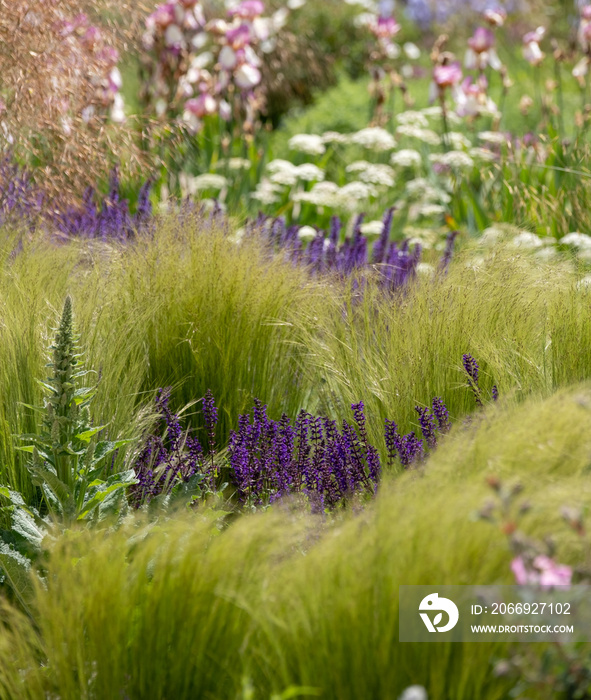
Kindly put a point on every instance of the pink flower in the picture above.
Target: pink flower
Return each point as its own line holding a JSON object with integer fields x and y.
{"x": 472, "y": 98}
{"x": 586, "y": 12}
{"x": 91, "y": 37}
{"x": 249, "y": 9}
{"x": 225, "y": 110}
{"x": 162, "y": 16}
{"x": 228, "y": 58}
{"x": 385, "y": 27}
{"x": 247, "y": 77}
{"x": 536, "y": 36}
{"x": 551, "y": 573}
{"x": 495, "y": 16}
{"x": 481, "y": 51}
{"x": 483, "y": 40}
{"x": 545, "y": 572}
{"x": 531, "y": 46}
{"x": 201, "y": 106}
{"x": 448, "y": 75}
{"x": 239, "y": 36}
{"x": 522, "y": 575}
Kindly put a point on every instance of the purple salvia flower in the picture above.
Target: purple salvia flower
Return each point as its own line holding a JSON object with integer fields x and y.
{"x": 471, "y": 369}
{"x": 441, "y": 414}
{"x": 427, "y": 423}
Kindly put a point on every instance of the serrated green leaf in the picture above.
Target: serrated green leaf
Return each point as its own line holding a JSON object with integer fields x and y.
{"x": 100, "y": 491}
{"x": 45, "y": 477}
{"x": 106, "y": 447}
{"x": 88, "y": 434}
{"x": 16, "y": 568}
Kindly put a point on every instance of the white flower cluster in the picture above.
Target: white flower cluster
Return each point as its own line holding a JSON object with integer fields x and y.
{"x": 427, "y": 136}
{"x": 374, "y": 138}
{"x": 413, "y": 118}
{"x": 456, "y": 160}
{"x": 406, "y": 158}
{"x": 373, "y": 173}
{"x": 311, "y": 144}
{"x": 283, "y": 172}
{"x": 423, "y": 189}
{"x": 267, "y": 192}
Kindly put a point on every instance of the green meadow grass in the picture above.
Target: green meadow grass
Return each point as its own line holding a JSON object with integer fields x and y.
{"x": 178, "y": 609}
{"x": 188, "y": 308}
{"x": 527, "y": 324}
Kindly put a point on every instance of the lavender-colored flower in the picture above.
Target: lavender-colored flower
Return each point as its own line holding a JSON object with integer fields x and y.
{"x": 441, "y": 414}
{"x": 471, "y": 368}
{"x": 427, "y": 423}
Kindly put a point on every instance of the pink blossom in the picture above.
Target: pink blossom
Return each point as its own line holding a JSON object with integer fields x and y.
{"x": 536, "y": 36}
{"x": 495, "y": 16}
{"x": 249, "y": 9}
{"x": 228, "y": 58}
{"x": 91, "y": 37}
{"x": 174, "y": 37}
{"x": 522, "y": 575}
{"x": 385, "y": 27}
{"x": 483, "y": 40}
{"x": 247, "y": 77}
{"x": 162, "y": 16}
{"x": 239, "y": 36}
{"x": 586, "y": 12}
{"x": 448, "y": 75}
{"x": 225, "y": 110}
{"x": 551, "y": 573}
{"x": 201, "y": 106}
{"x": 545, "y": 572}
{"x": 533, "y": 54}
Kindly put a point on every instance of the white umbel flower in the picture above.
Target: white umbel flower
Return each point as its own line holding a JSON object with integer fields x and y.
{"x": 311, "y": 144}
{"x": 374, "y": 138}
{"x": 406, "y": 158}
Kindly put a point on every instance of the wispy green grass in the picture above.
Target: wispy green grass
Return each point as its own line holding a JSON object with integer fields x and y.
{"x": 178, "y": 609}
{"x": 186, "y": 308}
{"x": 528, "y": 325}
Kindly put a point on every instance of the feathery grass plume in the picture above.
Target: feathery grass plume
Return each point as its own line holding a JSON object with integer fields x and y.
{"x": 253, "y": 599}
{"x": 60, "y": 88}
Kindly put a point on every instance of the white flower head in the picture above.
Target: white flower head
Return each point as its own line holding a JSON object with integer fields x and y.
{"x": 334, "y": 137}
{"x": 307, "y": 233}
{"x": 427, "y": 136}
{"x": 374, "y": 138}
{"x": 494, "y": 137}
{"x": 413, "y": 118}
{"x": 456, "y": 160}
{"x": 576, "y": 240}
{"x": 527, "y": 240}
{"x": 311, "y": 144}
{"x": 406, "y": 158}
{"x": 267, "y": 192}
{"x": 208, "y": 181}
{"x": 309, "y": 172}
{"x": 372, "y": 229}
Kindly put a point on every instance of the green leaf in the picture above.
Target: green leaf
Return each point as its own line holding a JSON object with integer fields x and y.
{"x": 88, "y": 434}
{"x": 39, "y": 409}
{"x": 106, "y": 447}
{"x": 24, "y": 524}
{"x": 97, "y": 495}
{"x": 42, "y": 476}
{"x": 4, "y": 492}
{"x": 16, "y": 568}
